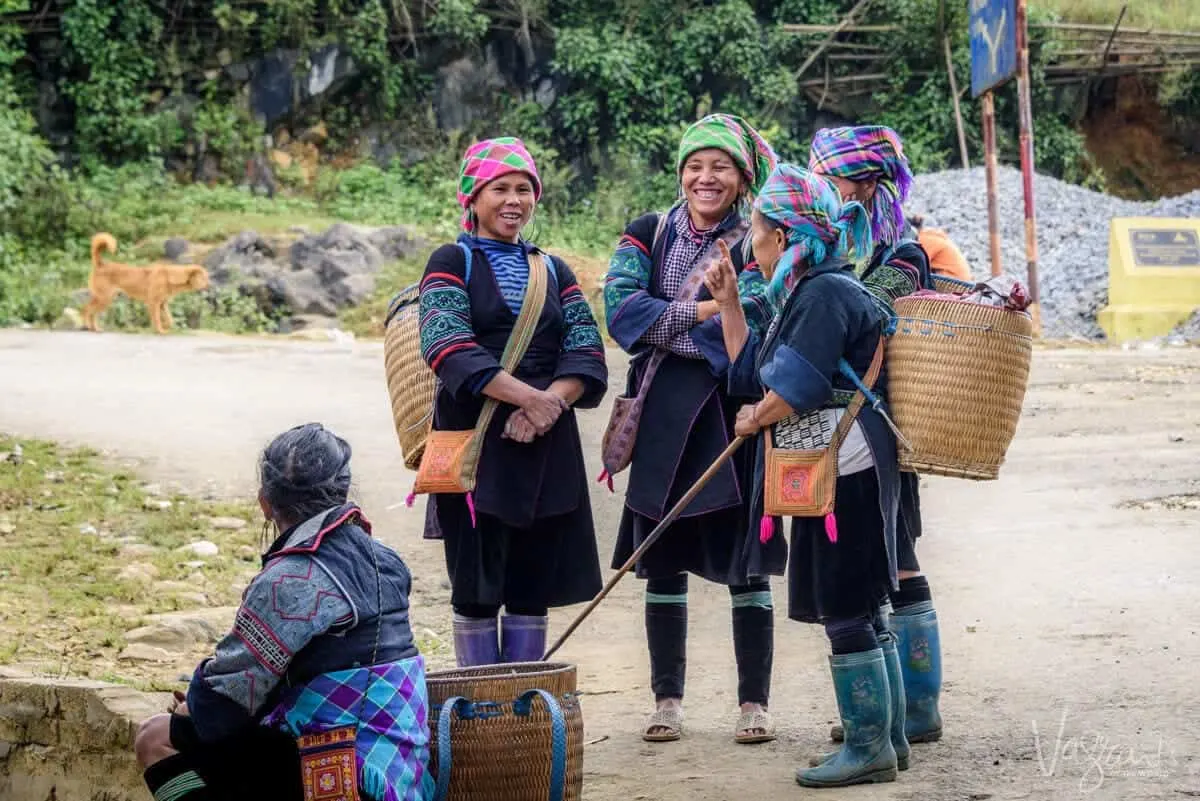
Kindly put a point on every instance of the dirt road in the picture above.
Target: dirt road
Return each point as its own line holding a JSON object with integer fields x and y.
{"x": 1067, "y": 590}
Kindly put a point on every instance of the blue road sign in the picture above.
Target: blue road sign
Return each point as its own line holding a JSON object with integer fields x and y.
{"x": 993, "y": 43}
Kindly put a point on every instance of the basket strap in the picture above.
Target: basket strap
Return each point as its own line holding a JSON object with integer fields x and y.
{"x": 466, "y": 249}
{"x": 558, "y": 738}
{"x": 455, "y": 704}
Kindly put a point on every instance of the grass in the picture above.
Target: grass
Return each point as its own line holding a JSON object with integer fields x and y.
{"x": 1167, "y": 15}
{"x": 69, "y": 525}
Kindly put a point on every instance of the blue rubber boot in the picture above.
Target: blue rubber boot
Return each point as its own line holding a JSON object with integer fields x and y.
{"x": 475, "y": 641}
{"x": 522, "y": 638}
{"x": 920, "y": 647}
{"x": 891, "y": 661}
{"x": 865, "y": 707}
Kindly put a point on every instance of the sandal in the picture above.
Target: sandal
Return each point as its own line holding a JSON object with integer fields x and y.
{"x": 669, "y": 725}
{"x": 754, "y": 727}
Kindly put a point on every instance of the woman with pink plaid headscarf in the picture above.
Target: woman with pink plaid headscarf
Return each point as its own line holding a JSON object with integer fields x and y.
{"x": 523, "y": 540}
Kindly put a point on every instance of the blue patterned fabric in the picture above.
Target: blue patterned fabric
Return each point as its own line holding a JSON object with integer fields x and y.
{"x": 510, "y": 264}
{"x": 393, "y": 727}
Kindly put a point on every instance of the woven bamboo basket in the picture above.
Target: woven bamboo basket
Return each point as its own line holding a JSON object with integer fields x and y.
{"x": 957, "y": 374}
{"x": 501, "y": 749}
{"x": 950, "y": 286}
{"x": 411, "y": 384}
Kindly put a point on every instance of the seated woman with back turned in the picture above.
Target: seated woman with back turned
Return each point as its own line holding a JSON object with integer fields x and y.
{"x": 323, "y": 628}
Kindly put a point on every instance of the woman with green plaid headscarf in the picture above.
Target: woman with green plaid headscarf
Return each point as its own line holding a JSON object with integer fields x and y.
{"x": 658, "y": 311}
{"x": 827, "y": 335}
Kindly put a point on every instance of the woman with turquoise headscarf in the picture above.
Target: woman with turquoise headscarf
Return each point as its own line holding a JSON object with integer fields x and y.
{"x": 867, "y": 163}
{"x": 840, "y": 568}
{"x": 659, "y": 312}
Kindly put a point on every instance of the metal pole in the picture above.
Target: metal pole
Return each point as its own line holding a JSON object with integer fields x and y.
{"x": 958, "y": 119}
{"x": 1026, "y": 114}
{"x": 989, "y": 161}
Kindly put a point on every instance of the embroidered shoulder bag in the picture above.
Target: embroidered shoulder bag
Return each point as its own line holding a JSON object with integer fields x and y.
{"x": 616, "y": 449}
{"x": 799, "y": 480}
{"x": 451, "y": 458}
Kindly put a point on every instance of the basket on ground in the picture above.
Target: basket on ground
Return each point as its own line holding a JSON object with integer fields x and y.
{"x": 515, "y": 733}
{"x": 957, "y": 374}
{"x": 411, "y": 384}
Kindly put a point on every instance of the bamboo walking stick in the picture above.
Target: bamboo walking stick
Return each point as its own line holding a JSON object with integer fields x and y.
{"x": 676, "y": 510}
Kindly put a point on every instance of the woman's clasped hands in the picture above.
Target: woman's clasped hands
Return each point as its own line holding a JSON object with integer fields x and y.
{"x": 535, "y": 417}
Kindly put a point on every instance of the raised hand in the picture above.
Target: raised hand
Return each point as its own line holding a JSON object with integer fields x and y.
{"x": 721, "y": 279}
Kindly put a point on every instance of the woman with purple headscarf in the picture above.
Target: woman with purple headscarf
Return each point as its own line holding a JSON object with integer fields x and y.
{"x": 840, "y": 568}
{"x": 524, "y": 539}
{"x": 867, "y": 164}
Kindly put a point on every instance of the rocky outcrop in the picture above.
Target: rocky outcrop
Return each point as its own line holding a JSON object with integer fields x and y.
{"x": 70, "y": 740}
{"x": 319, "y": 274}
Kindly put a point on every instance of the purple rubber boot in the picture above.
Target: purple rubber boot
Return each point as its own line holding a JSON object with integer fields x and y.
{"x": 475, "y": 641}
{"x": 523, "y": 638}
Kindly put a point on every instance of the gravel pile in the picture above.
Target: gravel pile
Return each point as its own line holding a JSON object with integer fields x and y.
{"x": 1072, "y": 223}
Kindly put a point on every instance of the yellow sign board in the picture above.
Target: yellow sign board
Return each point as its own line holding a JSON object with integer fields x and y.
{"x": 1153, "y": 276}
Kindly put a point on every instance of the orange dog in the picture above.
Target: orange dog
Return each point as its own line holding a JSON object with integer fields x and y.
{"x": 153, "y": 285}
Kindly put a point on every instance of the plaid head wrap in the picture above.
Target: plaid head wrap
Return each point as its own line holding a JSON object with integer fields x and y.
{"x": 749, "y": 151}
{"x": 863, "y": 153}
{"x": 814, "y": 218}
{"x": 487, "y": 160}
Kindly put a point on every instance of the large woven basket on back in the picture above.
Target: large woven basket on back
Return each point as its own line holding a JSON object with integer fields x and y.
{"x": 515, "y": 733}
{"x": 957, "y": 374}
{"x": 411, "y": 384}
{"x": 950, "y": 286}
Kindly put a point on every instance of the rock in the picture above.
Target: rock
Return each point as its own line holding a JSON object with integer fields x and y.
{"x": 135, "y": 549}
{"x": 174, "y": 248}
{"x": 7, "y": 527}
{"x": 241, "y": 254}
{"x": 247, "y": 552}
{"x": 17, "y": 454}
{"x": 200, "y": 548}
{"x": 342, "y": 250}
{"x": 55, "y": 476}
{"x": 465, "y": 91}
{"x": 69, "y": 320}
{"x": 87, "y": 529}
{"x": 140, "y": 652}
{"x": 396, "y": 242}
{"x": 303, "y": 293}
{"x": 152, "y": 489}
{"x": 181, "y": 631}
{"x": 192, "y": 565}
{"x": 197, "y": 598}
{"x": 228, "y": 523}
{"x": 138, "y": 571}
{"x": 155, "y": 505}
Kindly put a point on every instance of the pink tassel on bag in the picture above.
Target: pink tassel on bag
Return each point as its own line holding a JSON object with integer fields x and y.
{"x": 831, "y": 527}
{"x": 605, "y": 478}
{"x": 411, "y": 499}
{"x": 766, "y": 529}
{"x": 471, "y": 509}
